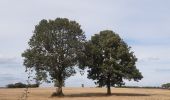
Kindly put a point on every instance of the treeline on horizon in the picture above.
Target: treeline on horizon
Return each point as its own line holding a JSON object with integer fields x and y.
{"x": 22, "y": 85}
{"x": 163, "y": 86}
{"x": 148, "y": 87}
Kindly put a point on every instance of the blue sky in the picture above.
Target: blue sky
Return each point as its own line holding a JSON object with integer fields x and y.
{"x": 143, "y": 24}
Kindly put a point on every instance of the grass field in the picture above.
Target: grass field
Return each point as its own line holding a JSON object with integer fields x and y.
{"x": 88, "y": 94}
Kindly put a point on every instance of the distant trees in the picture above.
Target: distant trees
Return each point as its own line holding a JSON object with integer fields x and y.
{"x": 109, "y": 60}
{"x": 167, "y": 85}
{"x": 54, "y": 49}
{"x": 22, "y": 85}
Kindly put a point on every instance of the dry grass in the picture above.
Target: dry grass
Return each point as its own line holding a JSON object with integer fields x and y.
{"x": 88, "y": 94}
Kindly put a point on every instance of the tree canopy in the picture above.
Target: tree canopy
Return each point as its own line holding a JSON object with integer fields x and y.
{"x": 53, "y": 50}
{"x": 109, "y": 60}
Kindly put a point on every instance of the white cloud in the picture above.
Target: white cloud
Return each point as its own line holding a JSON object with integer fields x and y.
{"x": 7, "y": 60}
{"x": 152, "y": 52}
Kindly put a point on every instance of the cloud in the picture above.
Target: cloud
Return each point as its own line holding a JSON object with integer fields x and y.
{"x": 149, "y": 59}
{"x": 153, "y": 58}
{"x": 8, "y": 60}
{"x": 8, "y": 77}
{"x": 163, "y": 70}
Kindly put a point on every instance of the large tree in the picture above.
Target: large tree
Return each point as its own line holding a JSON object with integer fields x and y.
{"x": 53, "y": 50}
{"x": 109, "y": 60}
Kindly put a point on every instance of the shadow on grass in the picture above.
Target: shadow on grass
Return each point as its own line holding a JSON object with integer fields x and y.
{"x": 104, "y": 95}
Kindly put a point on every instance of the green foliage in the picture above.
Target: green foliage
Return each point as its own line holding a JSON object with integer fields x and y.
{"x": 167, "y": 85}
{"x": 109, "y": 60}
{"x": 22, "y": 85}
{"x": 54, "y": 49}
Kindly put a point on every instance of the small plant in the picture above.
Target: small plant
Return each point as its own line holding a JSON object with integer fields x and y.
{"x": 25, "y": 93}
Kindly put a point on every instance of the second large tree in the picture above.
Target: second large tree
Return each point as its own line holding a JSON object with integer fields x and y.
{"x": 110, "y": 60}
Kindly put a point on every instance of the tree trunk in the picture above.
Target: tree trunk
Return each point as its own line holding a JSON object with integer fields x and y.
{"x": 59, "y": 91}
{"x": 108, "y": 90}
{"x": 108, "y": 86}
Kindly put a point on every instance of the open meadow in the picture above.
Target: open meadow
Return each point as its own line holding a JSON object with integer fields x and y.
{"x": 88, "y": 94}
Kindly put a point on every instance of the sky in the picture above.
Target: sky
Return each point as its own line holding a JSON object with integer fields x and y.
{"x": 143, "y": 24}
